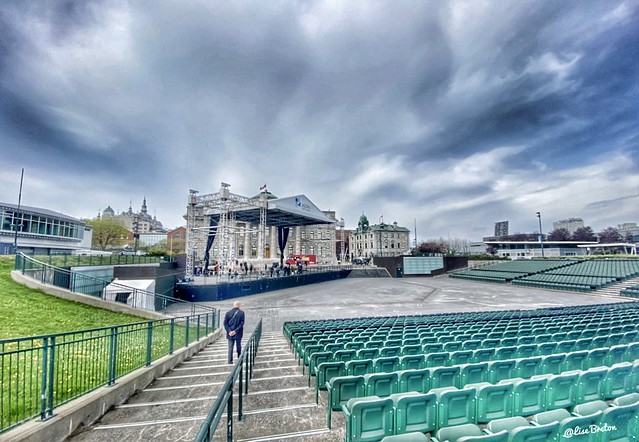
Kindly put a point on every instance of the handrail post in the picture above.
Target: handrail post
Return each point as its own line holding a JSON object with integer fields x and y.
{"x": 51, "y": 378}
{"x": 240, "y": 415}
{"x": 149, "y": 343}
{"x": 113, "y": 349}
{"x": 229, "y": 417}
{"x": 172, "y": 336}
{"x": 44, "y": 379}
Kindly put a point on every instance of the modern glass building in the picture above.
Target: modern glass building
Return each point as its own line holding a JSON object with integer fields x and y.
{"x": 40, "y": 231}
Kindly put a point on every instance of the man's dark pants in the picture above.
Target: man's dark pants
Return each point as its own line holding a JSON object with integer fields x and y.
{"x": 238, "y": 343}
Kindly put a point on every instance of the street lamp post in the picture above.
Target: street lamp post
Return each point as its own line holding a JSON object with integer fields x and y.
{"x": 541, "y": 235}
{"x": 15, "y": 215}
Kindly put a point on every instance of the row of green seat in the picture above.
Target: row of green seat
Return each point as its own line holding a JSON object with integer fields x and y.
{"x": 373, "y": 417}
{"x": 620, "y": 269}
{"x": 440, "y": 320}
{"x": 593, "y": 282}
{"x": 469, "y": 339}
{"x": 595, "y": 421}
{"x": 464, "y": 351}
{"x": 477, "y": 366}
{"x": 343, "y": 388}
{"x": 632, "y": 292}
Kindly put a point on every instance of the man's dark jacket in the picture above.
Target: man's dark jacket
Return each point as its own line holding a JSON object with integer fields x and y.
{"x": 234, "y": 321}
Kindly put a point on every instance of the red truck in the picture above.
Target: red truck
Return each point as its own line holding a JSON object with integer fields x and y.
{"x": 304, "y": 259}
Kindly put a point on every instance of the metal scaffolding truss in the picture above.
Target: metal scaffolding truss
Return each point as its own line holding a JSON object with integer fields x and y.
{"x": 226, "y": 208}
{"x": 200, "y": 208}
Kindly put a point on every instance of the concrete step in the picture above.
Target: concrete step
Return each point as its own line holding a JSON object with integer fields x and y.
{"x": 157, "y": 430}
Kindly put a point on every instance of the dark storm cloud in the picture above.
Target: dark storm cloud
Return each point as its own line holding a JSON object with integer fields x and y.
{"x": 457, "y": 114}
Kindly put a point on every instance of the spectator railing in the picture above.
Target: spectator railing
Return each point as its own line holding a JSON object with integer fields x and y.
{"x": 89, "y": 285}
{"x": 40, "y": 373}
{"x": 242, "y": 372}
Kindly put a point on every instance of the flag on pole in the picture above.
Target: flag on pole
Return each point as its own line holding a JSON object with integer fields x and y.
{"x": 263, "y": 187}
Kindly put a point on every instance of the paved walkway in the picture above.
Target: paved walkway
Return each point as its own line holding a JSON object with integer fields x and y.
{"x": 358, "y": 297}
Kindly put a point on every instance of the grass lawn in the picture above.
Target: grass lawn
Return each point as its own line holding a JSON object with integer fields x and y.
{"x": 29, "y": 312}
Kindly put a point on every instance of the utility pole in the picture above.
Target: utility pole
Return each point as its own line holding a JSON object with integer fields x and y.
{"x": 15, "y": 215}
{"x": 541, "y": 235}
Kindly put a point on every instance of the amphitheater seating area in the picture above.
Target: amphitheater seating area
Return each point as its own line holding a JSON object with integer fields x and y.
{"x": 563, "y": 274}
{"x": 632, "y": 292}
{"x": 484, "y": 376}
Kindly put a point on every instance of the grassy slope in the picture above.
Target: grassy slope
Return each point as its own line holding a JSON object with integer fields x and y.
{"x": 28, "y": 312}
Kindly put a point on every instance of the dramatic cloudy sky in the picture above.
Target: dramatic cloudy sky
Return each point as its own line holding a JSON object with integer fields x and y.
{"x": 456, "y": 114}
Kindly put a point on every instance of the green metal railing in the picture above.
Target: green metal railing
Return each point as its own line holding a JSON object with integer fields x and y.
{"x": 89, "y": 285}
{"x": 40, "y": 373}
{"x": 66, "y": 260}
{"x": 242, "y": 372}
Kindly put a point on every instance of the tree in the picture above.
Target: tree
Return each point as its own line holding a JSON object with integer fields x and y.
{"x": 430, "y": 247}
{"x": 609, "y": 236}
{"x": 107, "y": 232}
{"x": 629, "y": 238}
{"x": 560, "y": 234}
{"x": 492, "y": 250}
{"x": 584, "y": 234}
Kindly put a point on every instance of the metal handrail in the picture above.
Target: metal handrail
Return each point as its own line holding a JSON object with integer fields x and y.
{"x": 92, "y": 286}
{"x": 242, "y": 372}
{"x": 40, "y": 373}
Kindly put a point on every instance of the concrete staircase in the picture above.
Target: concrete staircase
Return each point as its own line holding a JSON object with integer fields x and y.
{"x": 279, "y": 406}
{"x": 615, "y": 289}
{"x": 172, "y": 408}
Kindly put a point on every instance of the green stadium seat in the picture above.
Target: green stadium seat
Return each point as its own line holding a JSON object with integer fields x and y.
{"x": 509, "y": 352}
{"x": 616, "y": 354}
{"x": 439, "y": 359}
{"x": 588, "y": 408}
{"x": 529, "y": 396}
{"x": 632, "y": 351}
{"x": 455, "y": 407}
{"x": 626, "y": 399}
{"x": 473, "y": 373}
{"x": 340, "y": 390}
{"x": 548, "y": 417}
{"x": 471, "y": 344}
{"x": 461, "y": 357}
{"x": 412, "y": 349}
{"x": 583, "y": 344}
{"x": 547, "y": 348}
{"x": 560, "y": 390}
{"x": 526, "y": 350}
{"x": 368, "y": 419}
{"x": 315, "y": 359}
{"x": 455, "y": 432}
{"x": 501, "y": 369}
{"x": 333, "y": 347}
{"x": 597, "y": 357}
{"x": 445, "y": 376}
{"x": 622, "y": 421}
{"x": 528, "y": 367}
{"x": 502, "y": 436}
{"x": 353, "y": 345}
{"x": 589, "y": 384}
{"x": 359, "y": 367}
{"x": 412, "y": 362}
{"x": 494, "y": 401}
{"x": 551, "y": 364}
{"x": 566, "y": 431}
{"x": 325, "y": 372}
{"x": 390, "y": 351}
{"x": 534, "y": 433}
{"x": 483, "y": 354}
{"x": 618, "y": 381}
{"x": 432, "y": 348}
{"x": 382, "y": 384}
{"x": 414, "y": 380}
{"x": 575, "y": 360}
{"x": 386, "y": 364}
{"x": 406, "y": 437}
{"x": 345, "y": 355}
{"x": 415, "y": 412}
{"x": 507, "y": 424}
{"x": 367, "y": 353}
